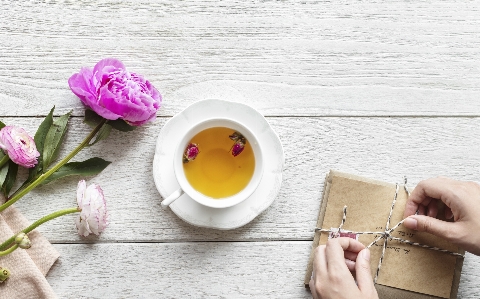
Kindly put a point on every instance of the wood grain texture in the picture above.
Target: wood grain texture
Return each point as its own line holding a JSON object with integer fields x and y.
{"x": 379, "y": 89}
{"x": 380, "y": 148}
{"x": 284, "y": 58}
{"x": 195, "y": 270}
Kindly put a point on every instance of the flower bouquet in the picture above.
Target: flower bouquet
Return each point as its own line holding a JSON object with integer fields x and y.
{"x": 115, "y": 99}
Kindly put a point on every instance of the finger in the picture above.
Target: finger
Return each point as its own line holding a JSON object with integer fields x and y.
{"x": 448, "y": 213}
{"x": 432, "y": 209}
{"x": 417, "y": 201}
{"x": 311, "y": 285}
{"x": 319, "y": 270}
{"x": 432, "y": 225}
{"x": 364, "y": 273}
{"x": 319, "y": 262}
{"x": 335, "y": 251}
{"x": 350, "y": 255}
{"x": 350, "y": 265}
{"x": 421, "y": 210}
{"x": 436, "y": 188}
{"x": 418, "y": 208}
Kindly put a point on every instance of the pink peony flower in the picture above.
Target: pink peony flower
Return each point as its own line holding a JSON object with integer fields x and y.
{"x": 191, "y": 152}
{"x": 93, "y": 209}
{"x": 113, "y": 92}
{"x": 19, "y": 146}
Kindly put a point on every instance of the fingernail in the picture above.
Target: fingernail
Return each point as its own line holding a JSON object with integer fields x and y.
{"x": 410, "y": 223}
{"x": 449, "y": 215}
{"x": 366, "y": 254}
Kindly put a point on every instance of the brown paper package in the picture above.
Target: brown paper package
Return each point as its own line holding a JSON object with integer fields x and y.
{"x": 407, "y": 271}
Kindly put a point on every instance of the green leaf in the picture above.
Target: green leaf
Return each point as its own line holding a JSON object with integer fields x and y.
{"x": 102, "y": 133}
{"x": 3, "y": 174}
{"x": 2, "y": 125}
{"x": 10, "y": 178}
{"x": 88, "y": 167}
{"x": 121, "y": 125}
{"x": 91, "y": 118}
{"x": 39, "y": 138}
{"x": 54, "y": 138}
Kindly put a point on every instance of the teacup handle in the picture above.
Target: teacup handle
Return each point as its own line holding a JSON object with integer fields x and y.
{"x": 167, "y": 201}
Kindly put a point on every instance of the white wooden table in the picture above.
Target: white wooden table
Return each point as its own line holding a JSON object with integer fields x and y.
{"x": 380, "y": 89}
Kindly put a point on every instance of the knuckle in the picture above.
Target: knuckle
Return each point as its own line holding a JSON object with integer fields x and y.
{"x": 451, "y": 194}
{"x": 422, "y": 184}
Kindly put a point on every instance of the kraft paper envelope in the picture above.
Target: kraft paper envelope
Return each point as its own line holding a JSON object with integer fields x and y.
{"x": 407, "y": 271}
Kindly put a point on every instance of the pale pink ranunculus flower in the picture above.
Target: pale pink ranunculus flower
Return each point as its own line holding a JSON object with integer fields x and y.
{"x": 113, "y": 92}
{"x": 19, "y": 146}
{"x": 93, "y": 216}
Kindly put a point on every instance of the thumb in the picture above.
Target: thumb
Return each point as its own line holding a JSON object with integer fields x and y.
{"x": 430, "y": 225}
{"x": 363, "y": 272}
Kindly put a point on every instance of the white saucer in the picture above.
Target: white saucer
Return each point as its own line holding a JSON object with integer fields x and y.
{"x": 226, "y": 218}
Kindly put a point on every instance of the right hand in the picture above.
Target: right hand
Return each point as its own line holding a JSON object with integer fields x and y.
{"x": 462, "y": 200}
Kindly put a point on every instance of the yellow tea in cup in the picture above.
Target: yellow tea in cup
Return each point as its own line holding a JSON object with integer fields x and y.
{"x": 215, "y": 171}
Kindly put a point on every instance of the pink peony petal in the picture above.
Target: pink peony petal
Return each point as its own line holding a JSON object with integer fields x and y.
{"x": 129, "y": 110}
{"x": 82, "y": 86}
{"x": 105, "y": 66}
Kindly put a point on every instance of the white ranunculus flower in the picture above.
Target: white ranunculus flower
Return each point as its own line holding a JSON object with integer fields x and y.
{"x": 93, "y": 216}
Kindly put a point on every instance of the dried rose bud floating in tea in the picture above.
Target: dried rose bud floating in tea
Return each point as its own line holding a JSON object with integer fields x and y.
{"x": 191, "y": 152}
{"x": 221, "y": 168}
{"x": 239, "y": 144}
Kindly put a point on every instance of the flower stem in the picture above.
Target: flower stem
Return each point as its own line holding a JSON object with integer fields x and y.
{"x": 4, "y": 160}
{"x": 9, "y": 250}
{"x": 52, "y": 170}
{"x": 40, "y": 222}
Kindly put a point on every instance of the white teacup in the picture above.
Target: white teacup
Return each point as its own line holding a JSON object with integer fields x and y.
{"x": 199, "y": 197}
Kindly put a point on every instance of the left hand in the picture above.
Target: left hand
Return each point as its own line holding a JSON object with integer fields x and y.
{"x": 332, "y": 264}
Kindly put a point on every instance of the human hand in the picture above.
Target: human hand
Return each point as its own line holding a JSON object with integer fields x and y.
{"x": 332, "y": 264}
{"x": 462, "y": 200}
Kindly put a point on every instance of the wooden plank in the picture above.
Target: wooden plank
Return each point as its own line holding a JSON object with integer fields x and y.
{"x": 196, "y": 270}
{"x": 380, "y": 148}
{"x": 315, "y": 58}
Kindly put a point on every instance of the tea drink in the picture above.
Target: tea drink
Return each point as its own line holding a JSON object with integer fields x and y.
{"x": 215, "y": 171}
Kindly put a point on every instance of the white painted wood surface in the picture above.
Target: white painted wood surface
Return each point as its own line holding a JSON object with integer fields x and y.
{"x": 380, "y": 89}
{"x": 196, "y": 270}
